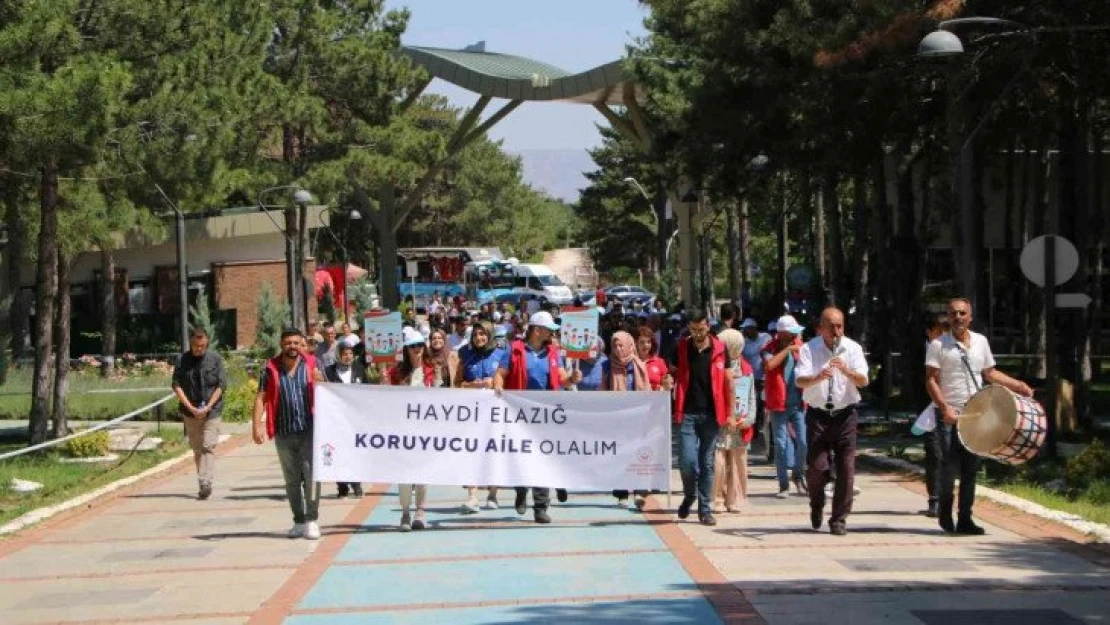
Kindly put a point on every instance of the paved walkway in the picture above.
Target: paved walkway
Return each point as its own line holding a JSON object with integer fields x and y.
{"x": 152, "y": 553}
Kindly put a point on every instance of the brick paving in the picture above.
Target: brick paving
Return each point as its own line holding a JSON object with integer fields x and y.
{"x": 151, "y": 553}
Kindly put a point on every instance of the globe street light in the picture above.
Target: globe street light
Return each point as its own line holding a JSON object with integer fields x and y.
{"x": 301, "y": 198}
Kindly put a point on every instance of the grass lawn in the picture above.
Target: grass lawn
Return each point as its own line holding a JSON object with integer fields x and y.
{"x": 1099, "y": 513}
{"x": 87, "y": 399}
{"x": 64, "y": 481}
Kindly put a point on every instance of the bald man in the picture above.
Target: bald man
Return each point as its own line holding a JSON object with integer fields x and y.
{"x": 830, "y": 371}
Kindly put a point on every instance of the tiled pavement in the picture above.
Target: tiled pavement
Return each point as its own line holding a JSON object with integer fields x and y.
{"x": 153, "y": 554}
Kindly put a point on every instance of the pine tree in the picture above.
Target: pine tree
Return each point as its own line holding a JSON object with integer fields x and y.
{"x": 273, "y": 316}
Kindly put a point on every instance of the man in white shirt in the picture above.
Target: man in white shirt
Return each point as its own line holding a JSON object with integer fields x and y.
{"x": 830, "y": 371}
{"x": 956, "y": 366}
{"x": 459, "y": 337}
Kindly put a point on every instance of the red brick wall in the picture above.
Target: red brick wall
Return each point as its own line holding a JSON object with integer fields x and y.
{"x": 238, "y": 286}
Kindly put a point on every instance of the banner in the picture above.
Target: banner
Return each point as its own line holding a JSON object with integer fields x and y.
{"x": 383, "y": 337}
{"x": 456, "y": 437}
{"x": 578, "y": 332}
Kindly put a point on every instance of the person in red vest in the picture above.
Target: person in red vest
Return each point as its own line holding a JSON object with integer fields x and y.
{"x": 703, "y": 403}
{"x": 285, "y": 398}
{"x": 534, "y": 364}
{"x": 783, "y": 402}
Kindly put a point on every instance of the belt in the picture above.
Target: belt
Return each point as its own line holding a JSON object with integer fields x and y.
{"x": 834, "y": 414}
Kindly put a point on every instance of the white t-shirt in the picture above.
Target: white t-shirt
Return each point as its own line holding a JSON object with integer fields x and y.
{"x": 956, "y": 384}
{"x": 812, "y": 358}
{"x": 454, "y": 341}
{"x": 345, "y": 376}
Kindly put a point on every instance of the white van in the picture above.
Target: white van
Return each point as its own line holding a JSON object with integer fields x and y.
{"x": 540, "y": 280}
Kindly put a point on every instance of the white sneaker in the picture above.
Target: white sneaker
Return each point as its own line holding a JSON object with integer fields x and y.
{"x": 491, "y": 504}
{"x": 471, "y": 507}
{"x": 312, "y": 531}
{"x": 297, "y": 531}
{"x": 783, "y": 494}
{"x": 406, "y": 522}
{"x": 622, "y": 502}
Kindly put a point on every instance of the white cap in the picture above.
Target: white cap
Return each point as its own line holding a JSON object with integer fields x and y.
{"x": 787, "y": 323}
{"x": 412, "y": 337}
{"x": 543, "y": 319}
{"x": 749, "y": 323}
{"x": 496, "y": 317}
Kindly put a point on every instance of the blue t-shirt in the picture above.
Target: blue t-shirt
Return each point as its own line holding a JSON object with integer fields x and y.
{"x": 592, "y": 373}
{"x": 793, "y": 393}
{"x": 475, "y": 366}
{"x": 539, "y": 372}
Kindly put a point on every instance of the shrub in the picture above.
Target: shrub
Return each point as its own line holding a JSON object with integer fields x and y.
{"x": 201, "y": 316}
{"x": 273, "y": 316}
{"x": 1088, "y": 466}
{"x": 242, "y": 385}
{"x": 1098, "y": 492}
{"x": 88, "y": 445}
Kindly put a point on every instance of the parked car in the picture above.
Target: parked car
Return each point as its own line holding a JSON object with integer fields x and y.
{"x": 628, "y": 294}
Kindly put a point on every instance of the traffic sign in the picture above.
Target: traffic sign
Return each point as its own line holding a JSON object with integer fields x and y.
{"x": 1033, "y": 257}
{"x": 1072, "y": 300}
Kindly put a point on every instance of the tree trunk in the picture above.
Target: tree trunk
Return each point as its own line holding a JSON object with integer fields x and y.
{"x": 302, "y": 258}
{"x": 745, "y": 251}
{"x": 382, "y": 218}
{"x": 108, "y": 311}
{"x": 735, "y": 260}
{"x": 662, "y": 232}
{"x": 880, "y": 337}
{"x": 784, "y": 255}
{"x": 1016, "y": 177}
{"x": 907, "y": 286}
{"x": 861, "y": 261}
{"x": 16, "y": 222}
{"x": 1040, "y": 226}
{"x": 61, "y": 344}
{"x": 46, "y": 285}
{"x": 820, "y": 256}
{"x": 835, "y": 224}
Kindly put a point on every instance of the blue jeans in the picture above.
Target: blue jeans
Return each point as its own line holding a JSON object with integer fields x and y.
{"x": 789, "y": 453}
{"x": 697, "y": 449}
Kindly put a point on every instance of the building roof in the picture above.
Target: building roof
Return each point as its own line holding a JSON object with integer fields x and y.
{"x": 519, "y": 78}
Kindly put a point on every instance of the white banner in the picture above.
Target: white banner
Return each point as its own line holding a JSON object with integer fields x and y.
{"x": 584, "y": 441}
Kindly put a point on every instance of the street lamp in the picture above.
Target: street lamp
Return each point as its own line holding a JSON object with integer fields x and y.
{"x": 301, "y": 198}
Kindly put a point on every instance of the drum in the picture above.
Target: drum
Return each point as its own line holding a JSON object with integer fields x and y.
{"x": 1004, "y": 426}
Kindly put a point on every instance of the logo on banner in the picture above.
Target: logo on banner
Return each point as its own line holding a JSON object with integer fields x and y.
{"x": 327, "y": 454}
{"x": 644, "y": 454}
{"x": 644, "y": 463}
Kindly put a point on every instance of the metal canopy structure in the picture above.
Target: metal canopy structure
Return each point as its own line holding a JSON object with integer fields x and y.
{"x": 516, "y": 79}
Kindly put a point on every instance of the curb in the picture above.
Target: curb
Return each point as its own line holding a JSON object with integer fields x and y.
{"x": 41, "y": 514}
{"x": 1098, "y": 531}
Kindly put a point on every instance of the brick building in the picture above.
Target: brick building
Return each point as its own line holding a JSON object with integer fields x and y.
{"x": 228, "y": 257}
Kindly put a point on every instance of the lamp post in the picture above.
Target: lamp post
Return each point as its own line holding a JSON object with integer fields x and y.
{"x": 301, "y": 199}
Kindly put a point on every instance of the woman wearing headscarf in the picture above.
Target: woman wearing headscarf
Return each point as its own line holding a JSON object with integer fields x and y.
{"x": 477, "y": 365}
{"x": 445, "y": 359}
{"x": 416, "y": 370}
{"x": 730, "y": 484}
{"x": 624, "y": 371}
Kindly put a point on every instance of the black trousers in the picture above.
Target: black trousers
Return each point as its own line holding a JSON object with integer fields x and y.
{"x": 955, "y": 459}
{"x": 933, "y": 455}
{"x": 832, "y": 446}
{"x": 541, "y": 497}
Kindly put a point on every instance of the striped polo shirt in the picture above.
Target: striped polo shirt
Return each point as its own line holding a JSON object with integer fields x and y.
{"x": 292, "y": 416}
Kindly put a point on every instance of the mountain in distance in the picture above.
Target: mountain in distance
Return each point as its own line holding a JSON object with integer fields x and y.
{"x": 559, "y": 173}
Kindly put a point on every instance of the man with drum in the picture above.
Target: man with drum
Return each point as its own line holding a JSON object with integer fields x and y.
{"x": 956, "y": 366}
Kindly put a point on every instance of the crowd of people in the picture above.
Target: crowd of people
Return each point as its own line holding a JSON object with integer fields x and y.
{"x": 727, "y": 377}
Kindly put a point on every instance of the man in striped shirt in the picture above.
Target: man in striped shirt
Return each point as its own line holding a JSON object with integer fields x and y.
{"x": 285, "y": 397}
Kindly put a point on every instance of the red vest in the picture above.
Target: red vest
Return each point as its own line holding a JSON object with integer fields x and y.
{"x": 722, "y": 390}
{"x": 517, "y": 380}
{"x": 271, "y": 397}
{"x": 774, "y": 380}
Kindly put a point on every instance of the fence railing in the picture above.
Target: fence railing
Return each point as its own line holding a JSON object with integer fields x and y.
{"x": 155, "y": 405}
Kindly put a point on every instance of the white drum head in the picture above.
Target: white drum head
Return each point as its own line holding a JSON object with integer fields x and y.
{"x": 988, "y": 420}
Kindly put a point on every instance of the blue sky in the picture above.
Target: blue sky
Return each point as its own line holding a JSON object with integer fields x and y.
{"x": 575, "y": 35}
